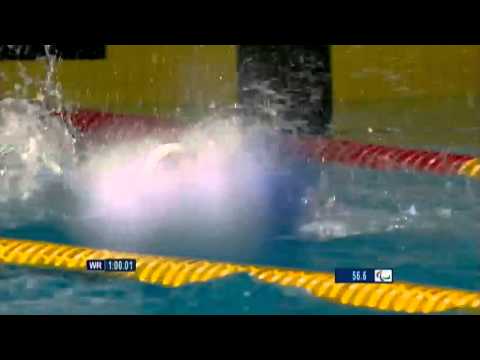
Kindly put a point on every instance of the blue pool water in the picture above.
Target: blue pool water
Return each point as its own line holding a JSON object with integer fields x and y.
{"x": 424, "y": 227}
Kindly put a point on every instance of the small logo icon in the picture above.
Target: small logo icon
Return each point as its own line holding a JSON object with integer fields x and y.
{"x": 384, "y": 276}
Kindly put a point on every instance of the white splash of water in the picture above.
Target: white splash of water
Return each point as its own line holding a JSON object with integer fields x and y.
{"x": 211, "y": 180}
{"x": 36, "y": 151}
{"x": 32, "y": 143}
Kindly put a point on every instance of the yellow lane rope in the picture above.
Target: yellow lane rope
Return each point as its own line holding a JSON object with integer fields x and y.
{"x": 471, "y": 169}
{"x": 177, "y": 272}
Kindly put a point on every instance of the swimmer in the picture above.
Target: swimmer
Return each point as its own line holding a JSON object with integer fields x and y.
{"x": 164, "y": 152}
{"x": 172, "y": 156}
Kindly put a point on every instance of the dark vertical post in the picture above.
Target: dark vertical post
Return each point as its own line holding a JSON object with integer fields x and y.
{"x": 295, "y": 80}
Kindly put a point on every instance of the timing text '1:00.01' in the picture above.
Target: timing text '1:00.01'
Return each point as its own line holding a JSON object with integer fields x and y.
{"x": 112, "y": 265}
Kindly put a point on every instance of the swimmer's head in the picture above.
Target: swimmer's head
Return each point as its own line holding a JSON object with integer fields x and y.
{"x": 175, "y": 160}
{"x": 170, "y": 156}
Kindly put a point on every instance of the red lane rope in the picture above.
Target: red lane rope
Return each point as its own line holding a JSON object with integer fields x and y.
{"x": 376, "y": 157}
{"x": 87, "y": 121}
{"x": 383, "y": 158}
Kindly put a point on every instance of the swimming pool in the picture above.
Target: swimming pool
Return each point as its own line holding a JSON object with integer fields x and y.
{"x": 276, "y": 202}
{"x": 423, "y": 226}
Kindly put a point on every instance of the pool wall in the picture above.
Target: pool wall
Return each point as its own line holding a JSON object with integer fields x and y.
{"x": 383, "y": 94}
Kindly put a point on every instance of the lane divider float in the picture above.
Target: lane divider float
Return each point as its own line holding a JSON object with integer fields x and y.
{"x": 400, "y": 297}
{"x": 385, "y": 158}
{"x": 344, "y": 152}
